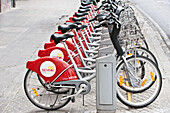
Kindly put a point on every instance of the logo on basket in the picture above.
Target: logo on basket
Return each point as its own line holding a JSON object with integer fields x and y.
{"x": 47, "y": 69}
{"x": 58, "y": 54}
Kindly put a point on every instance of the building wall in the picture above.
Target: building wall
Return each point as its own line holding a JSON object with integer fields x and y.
{"x": 5, "y": 5}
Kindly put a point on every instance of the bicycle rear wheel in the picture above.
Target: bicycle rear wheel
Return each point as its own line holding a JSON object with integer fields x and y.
{"x": 36, "y": 92}
{"x": 132, "y": 92}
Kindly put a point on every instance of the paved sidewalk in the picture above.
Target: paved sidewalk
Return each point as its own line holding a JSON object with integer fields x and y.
{"x": 23, "y": 32}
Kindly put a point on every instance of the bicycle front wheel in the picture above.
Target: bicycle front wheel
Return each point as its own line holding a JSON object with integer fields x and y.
{"x": 142, "y": 52}
{"x": 133, "y": 89}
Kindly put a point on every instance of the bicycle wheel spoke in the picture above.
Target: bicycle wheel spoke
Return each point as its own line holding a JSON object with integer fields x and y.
{"x": 150, "y": 89}
{"x": 39, "y": 95}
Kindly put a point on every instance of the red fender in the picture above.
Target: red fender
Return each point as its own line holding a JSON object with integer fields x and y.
{"x": 49, "y": 44}
{"x": 52, "y": 44}
{"x": 49, "y": 68}
{"x": 62, "y": 54}
{"x": 70, "y": 45}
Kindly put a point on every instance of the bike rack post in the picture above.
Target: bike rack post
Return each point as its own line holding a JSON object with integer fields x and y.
{"x": 105, "y": 43}
{"x": 104, "y": 30}
{"x": 106, "y": 51}
{"x": 106, "y": 84}
{"x": 105, "y": 36}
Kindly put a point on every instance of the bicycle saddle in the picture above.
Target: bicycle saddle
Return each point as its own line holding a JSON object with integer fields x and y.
{"x": 80, "y": 14}
{"x": 65, "y": 28}
{"x": 78, "y": 19}
{"x": 85, "y": 4}
{"x": 81, "y": 27}
{"x": 101, "y": 18}
{"x": 59, "y": 37}
{"x": 73, "y": 25}
{"x": 77, "y": 23}
{"x": 84, "y": 7}
{"x": 83, "y": 10}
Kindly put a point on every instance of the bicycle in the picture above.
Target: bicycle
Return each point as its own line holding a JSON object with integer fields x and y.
{"x": 56, "y": 79}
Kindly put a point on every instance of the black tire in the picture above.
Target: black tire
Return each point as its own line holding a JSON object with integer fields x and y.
{"x": 146, "y": 44}
{"x": 146, "y": 53}
{"x": 150, "y": 92}
{"x": 53, "y": 95}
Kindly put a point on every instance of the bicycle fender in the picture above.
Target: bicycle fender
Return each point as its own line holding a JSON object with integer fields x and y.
{"x": 49, "y": 44}
{"x": 49, "y": 68}
{"x": 60, "y": 53}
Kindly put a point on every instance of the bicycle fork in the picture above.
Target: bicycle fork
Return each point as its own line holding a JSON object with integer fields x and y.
{"x": 130, "y": 75}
